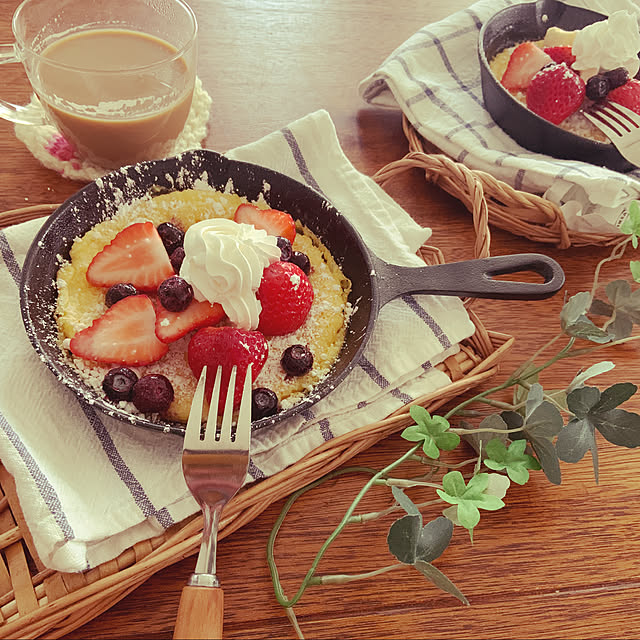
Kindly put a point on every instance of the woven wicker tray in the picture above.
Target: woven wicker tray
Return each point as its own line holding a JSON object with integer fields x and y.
{"x": 36, "y": 601}
{"x": 491, "y": 201}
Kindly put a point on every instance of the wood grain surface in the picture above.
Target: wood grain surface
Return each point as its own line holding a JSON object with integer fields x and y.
{"x": 558, "y": 562}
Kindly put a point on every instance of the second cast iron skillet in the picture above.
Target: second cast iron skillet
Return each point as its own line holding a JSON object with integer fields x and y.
{"x": 374, "y": 282}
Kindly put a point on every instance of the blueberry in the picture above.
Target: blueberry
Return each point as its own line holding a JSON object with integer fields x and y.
{"x": 297, "y": 360}
{"x": 264, "y": 402}
{"x": 302, "y": 260}
{"x": 616, "y": 77}
{"x": 285, "y": 249}
{"x": 175, "y": 294}
{"x": 118, "y": 383}
{"x": 153, "y": 393}
{"x": 597, "y": 87}
{"x": 177, "y": 258}
{"x": 118, "y": 291}
{"x": 172, "y": 236}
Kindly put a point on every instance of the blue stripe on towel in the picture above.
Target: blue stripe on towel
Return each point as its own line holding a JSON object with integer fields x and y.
{"x": 301, "y": 163}
{"x": 9, "y": 258}
{"x": 381, "y": 381}
{"x": 124, "y": 473}
{"x": 254, "y": 472}
{"x": 324, "y": 424}
{"x": 442, "y": 337}
{"x": 46, "y": 490}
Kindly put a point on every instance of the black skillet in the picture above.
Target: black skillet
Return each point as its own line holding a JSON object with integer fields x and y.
{"x": 530, "y": 21}
{"x": 374, "y": 282}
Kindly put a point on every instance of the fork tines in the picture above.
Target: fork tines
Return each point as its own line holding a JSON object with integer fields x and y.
{"x": 194, "y": 436}
{"x": 615, "y": 116}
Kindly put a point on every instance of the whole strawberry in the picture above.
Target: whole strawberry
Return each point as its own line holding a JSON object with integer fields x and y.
{"x": 227, "y": 346}
{"x": 286, "y": 295}
{"x": 628, "y": 95}
{"x": 555, "y": 92}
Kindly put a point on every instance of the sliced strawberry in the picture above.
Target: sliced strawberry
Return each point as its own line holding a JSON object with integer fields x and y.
{"x": 227, "y": 346}
{"x": 125, "y": 334}
{"x": 171, "y": 325}
{"x": 555, "y": 93}
{"x": 274, "y": 222}
{"x": 561, "y": 54}
{"x": 136, "y": 255}
{"x": 286, "y": 295}
{"x": 628, "y": 95}
{"x": 525, "y": 61}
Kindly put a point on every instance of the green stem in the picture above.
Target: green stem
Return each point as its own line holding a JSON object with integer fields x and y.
{"x": 465, "y": 432}
{"x": 406, "y": 483}
{"x": 291, "y": 614}
{"x": 497, "y": 403}
{"x": 606, "y": 345}
{"x": 280, "y": 596}
{"x": 617, "y": 252}
{"x": 344, "y": 577}
{"x": 374, "y": 515}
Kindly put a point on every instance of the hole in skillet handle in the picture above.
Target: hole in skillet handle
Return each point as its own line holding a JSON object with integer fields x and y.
{"x": 471, "y": 278}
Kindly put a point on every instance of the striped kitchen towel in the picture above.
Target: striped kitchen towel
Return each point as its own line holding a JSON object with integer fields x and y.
{"x": 91, "y": 486}
{"x": 434, "y": 77}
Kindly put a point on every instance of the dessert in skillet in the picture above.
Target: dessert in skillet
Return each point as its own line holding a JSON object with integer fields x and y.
{"x": 561, "y": 76}
{"x": 200, "y": 277}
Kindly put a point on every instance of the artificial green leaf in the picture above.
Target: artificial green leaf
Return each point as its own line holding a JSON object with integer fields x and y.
{"x": 468, "y": 514}
{"x": 615, "y": 395}
{"x": 513, "y": 459}
{"x": 634, "y": 265}
{"x": 403, "y": 537}
{"x": 595, "y": 410}
{"x": 433, "y": 539}
{"x": 447, "y": 441}
{"x": 453, "y": 484}
{"x": 541, "y": 424}
{"x": 405, "y": 501}
{"x": 590, "y": 372}
{"x": 624, "y": 303}
{"x": 479, "y": 440}
{"x": 586, "y": 330}
{"x": 498, "y": 485}
{"x": 631, "y": 224}
{"x": 574, "y": 309}
{"x": 438, "y": 578}
{"x": 619, "y": 427}
{"x": 575, "y": 440}
{"x": 468, "y": 498}
{"x": 409, "y": 541}
{"x": 432, "y": 431}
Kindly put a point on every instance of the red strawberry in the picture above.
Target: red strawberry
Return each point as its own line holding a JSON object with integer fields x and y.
{"x": 285, "y": 294}
{"x": 227, "y": 346}
{"x": 136, "y": 255}
{"x": 560, "y": 54}
{"x": 525, "y": 61}
{"x": 171, "y": 325}
{"x": 628, "y": 95}
{"x": 555, "y": 93}
{"x": 274, "y": 222}
{"x": 125, "y": 334}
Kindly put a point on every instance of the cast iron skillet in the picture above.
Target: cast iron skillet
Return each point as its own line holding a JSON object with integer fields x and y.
{"x": 530, "y": 21}
{"x": 374, "y": 282}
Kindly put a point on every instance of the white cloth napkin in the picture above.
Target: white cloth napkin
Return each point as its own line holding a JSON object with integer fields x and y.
{"x": 91, "y": 486}
{"x": 434, "y": 77}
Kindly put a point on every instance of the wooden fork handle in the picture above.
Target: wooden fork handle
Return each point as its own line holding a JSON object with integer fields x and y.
{"x": 200, "y": 614}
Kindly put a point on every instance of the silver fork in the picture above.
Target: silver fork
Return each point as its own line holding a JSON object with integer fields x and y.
{"x": 214, "y": 470}
{"x": 621, "y": 125}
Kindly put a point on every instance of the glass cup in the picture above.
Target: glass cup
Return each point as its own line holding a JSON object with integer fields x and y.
{"x": 116, "y": 77}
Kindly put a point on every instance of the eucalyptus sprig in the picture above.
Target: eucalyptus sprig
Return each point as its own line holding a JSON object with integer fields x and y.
{"x": 536, "y": 429}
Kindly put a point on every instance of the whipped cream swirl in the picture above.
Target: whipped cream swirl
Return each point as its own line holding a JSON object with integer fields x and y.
{"x": 607, "y": 45}
{"x": 224, "y": 261}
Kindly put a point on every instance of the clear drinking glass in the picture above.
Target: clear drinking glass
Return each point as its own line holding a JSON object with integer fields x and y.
{"x": 116, "y": 77}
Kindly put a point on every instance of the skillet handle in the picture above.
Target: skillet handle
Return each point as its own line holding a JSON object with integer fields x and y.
{"x": 471, "y": 278}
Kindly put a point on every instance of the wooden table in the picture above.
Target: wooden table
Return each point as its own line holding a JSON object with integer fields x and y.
{"x": 558, "y": 561}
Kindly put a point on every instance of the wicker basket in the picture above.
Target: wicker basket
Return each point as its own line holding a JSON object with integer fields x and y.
{"x": 491, "y": 201}
{"x": 36, "y": 601}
